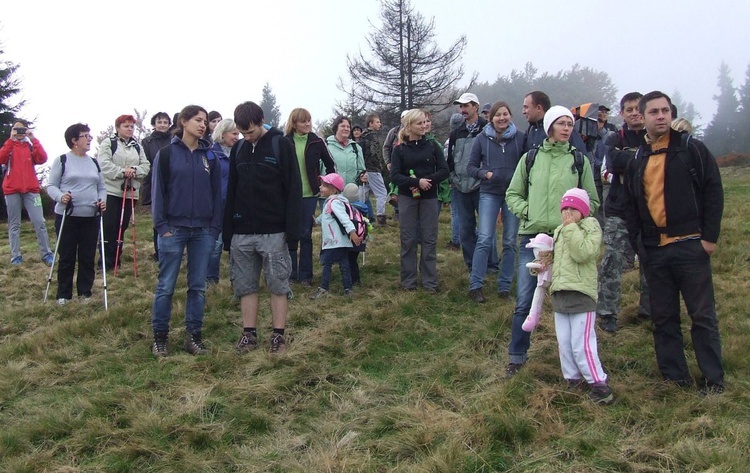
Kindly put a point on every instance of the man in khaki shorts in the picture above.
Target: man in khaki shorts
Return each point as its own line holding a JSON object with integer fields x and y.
{"x": 261, "y": 221}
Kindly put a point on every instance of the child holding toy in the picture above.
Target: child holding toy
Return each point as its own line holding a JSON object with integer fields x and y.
{"x": 336, "y": 243}
{"x": 574, "y": 294}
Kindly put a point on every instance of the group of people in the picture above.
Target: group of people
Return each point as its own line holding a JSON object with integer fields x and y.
{"x": 254, "y": 191}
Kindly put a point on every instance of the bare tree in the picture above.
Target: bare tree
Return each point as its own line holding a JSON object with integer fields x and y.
{"x": 407, "y": 68}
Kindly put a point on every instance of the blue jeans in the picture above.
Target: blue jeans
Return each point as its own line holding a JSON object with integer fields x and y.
{"x": 455, "y": 229}
{"x": 489, "y": 208}
{"x": 526, "y": 284}
{"x": 467, "y": 207}
{"x": 303, "y": 270}
{"x": 214, "y": 261}
{"x": 327, "y": 260}
{"x": 199, "y": 243}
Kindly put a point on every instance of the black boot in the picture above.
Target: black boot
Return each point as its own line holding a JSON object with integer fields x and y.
{"x": 194, "y": 344}
{"x": 159, "y": 348}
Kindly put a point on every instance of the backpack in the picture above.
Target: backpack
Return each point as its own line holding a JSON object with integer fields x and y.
{"x": 690, "y": 166}
{"x": 113, "y": 145}
{"x": 355, "y": 215}
{"x": 577, "y": 165}
{"x": 64, "y": 158}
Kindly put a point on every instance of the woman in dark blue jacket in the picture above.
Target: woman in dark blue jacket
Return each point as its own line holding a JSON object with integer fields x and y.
{"x": 494, "y": 157}
{"x": 311, "y": 151}
{"x": 186, "y": 209}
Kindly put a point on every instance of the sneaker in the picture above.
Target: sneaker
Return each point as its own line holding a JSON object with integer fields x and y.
{"x": 512, "y": 369}
{"x": 710, "y": 389}
{"x": 381, "y": 220}
{"x": 17, "y": 261}
{"x": 348, "y": 292}
{"x": 278, "y": 344}
{"x": 601, "y": 395}
{"x": 159, "y": 347}
{"x": 453, "y": 246}
{"x": 306, "y": 283}
{"x": 85, "y": 299}
{"x": 248, "y": 342}
{"x": 431, "y": 290}
{"x": 194, "y": 345}
{"x": 48, "y": 259}
{"x": 576, "y": 384}
{"x": 477, "y": 296}
{"x": 62, "y": 301}
{"x": 319, "y": 293}
{"x": 608, "y": 323}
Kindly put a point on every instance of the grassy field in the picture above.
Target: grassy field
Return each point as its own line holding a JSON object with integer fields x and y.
{"x": 385, "y": 381}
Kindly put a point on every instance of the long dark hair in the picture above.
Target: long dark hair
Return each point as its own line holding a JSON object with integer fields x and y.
{"x": 186, "y": 114}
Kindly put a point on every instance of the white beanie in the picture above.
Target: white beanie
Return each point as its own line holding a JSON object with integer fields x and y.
{"x": 351, "y": 192}
{"x": 553, "y": 114}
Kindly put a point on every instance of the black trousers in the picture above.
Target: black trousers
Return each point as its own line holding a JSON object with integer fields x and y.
{"x": 112, "y": 227}
{"x": 78, "y": 241}
{"x": 684, "y": 268}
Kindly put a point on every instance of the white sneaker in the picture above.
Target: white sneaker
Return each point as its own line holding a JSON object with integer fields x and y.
{"x": 62, "y": 301}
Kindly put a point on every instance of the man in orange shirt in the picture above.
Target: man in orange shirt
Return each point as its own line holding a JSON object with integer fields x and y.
{"x": 673, "y": 215}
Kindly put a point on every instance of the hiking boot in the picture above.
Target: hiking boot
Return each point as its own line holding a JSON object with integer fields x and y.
{"x": 278, "y": 344}
{"x": 159, "y": 347}
{"x": 477, "y": 296}
{"x": 503, "y": 294}
{"x": 711, "y": 388}
{"x": 319, "y": 293}
{"x": 17, "y": 261}
{"x": 381, "y": 220}
{"x": 453, "y": 246}
{"x": 608, "y": 323}
{"x": 512, "y": 369}
{"x": 48, "y": 259}
{"x": 601, "y": 395}
{"x": 194, "y": 345}
{"x": 248, "y": 342}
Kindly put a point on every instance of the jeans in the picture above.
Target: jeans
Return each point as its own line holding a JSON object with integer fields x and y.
{"x": 467, "y": 207}
{"x": 303, "y": 270}
{"x": 683, "y": 268}
{"x": 33, "y": 204}
{"x": 327, "y": 259}
{"x": 455, "y": 227}
{"x": 199, "y": 243}
{"x": 520, "y": 340}
{"x": 214, "y": 261}
{"x": 490, "y": 206}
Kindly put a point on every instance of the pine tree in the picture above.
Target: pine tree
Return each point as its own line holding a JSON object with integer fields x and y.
{"x": 406, "y": 69}
{"x": 743, "y": 116}
{"x": 271, "y": 112}
{"x": 10, "y": 85}
{"x": 721, "y": 134}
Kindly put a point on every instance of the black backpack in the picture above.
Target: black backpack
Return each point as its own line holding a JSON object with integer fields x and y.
{"x": 576, "y": 167}
{"x": 113, "y": 145}
{"x": 64, "y": 158}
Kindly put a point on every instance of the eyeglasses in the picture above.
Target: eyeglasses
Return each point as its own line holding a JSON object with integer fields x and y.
{"x": 87, "y": 136}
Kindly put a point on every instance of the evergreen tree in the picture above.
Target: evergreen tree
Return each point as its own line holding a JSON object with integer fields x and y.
{"x": 10, "y": 85}
{"x": 271, "y": 112}
{"x": 687, "y": 111}
{"x": 743, "y": 116}
{"x": 721, "y": 134}
{"x": 406, "y": 69}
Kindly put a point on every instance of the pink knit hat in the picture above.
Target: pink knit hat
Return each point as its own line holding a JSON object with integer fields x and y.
{"x": 334, "y": 180}
{"x": 576, "y": 199}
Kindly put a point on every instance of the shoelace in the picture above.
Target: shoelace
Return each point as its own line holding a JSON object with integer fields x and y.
{"x": 276, "y": 341}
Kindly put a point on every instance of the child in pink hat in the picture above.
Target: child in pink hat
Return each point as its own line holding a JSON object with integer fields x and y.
{"x": 574, "y": 294}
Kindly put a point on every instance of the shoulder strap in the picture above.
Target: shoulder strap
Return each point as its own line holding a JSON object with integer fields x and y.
{"x": 578, "y": 158}
{"x": 530, "y": 158}
{"x": 689, "y": 165}
{"x": 63, "y": 159}
{"x": 113, "y": 144}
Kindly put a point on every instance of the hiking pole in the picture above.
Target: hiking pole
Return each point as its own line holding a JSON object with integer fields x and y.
{"x": 119, "y": 230}
{"x": 104, "y": 262}
{"x": 57, "y": 246}
{"x": 132, "y": 226}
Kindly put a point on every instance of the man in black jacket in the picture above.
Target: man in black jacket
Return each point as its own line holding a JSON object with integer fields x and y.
{"x": 620, "y": 149}
{"x": 675, "y": 204}
{"x": 261, "y": 221}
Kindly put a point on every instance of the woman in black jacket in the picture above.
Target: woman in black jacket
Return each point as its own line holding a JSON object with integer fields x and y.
{"x": 417, "y": 167}
{"x": 311, "y": 152}
{"x": 158, "y": 139}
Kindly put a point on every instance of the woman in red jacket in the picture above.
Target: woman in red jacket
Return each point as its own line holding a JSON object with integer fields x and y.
{"x": 20, "y": 153}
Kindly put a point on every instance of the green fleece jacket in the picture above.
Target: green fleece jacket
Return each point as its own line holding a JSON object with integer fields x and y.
{"x": 552, "y": 174}
{"x": 576, "y": 251}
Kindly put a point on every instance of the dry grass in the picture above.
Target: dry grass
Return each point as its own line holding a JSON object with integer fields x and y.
{"x": 388, "y": 381}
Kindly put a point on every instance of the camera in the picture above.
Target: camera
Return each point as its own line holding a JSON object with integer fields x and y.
{"x": 21, "y": 131}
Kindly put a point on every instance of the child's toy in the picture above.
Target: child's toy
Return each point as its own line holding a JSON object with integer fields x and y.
{"x": 543, "y": 245}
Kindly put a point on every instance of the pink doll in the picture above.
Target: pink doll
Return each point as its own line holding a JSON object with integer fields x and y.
{"x": 542, "y": 267}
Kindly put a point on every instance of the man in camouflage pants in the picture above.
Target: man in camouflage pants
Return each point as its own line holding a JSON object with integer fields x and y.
{"x": 620, "y": 150}
{"x": 373, "y": 154}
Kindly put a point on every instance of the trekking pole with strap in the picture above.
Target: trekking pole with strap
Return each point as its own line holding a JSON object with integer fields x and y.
{"x": 68, "y": 209}
{"x": 104, "y": 262}
{"x": 118, "y": 250}
{"x": 132, "y": 226}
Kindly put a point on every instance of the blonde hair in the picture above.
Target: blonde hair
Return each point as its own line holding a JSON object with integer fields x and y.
{"x": 222, "y": 127}
{"x": 410, "y": 117}
{"x": 682, "y": 124}
{"x": 297, "y": 115}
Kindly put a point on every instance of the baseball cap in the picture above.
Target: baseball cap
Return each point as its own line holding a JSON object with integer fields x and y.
{"x": 466, "y": 97}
